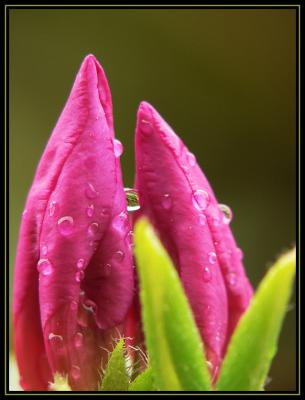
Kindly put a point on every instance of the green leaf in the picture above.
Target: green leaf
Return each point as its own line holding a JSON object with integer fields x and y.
{"x": 143, "y": 382}
{"x": 254, "y": 342}
{"x": 174, "y": 345}
{"x": 116, "y": 377}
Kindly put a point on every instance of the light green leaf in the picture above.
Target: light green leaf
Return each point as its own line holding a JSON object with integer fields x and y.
{"x": 143, "y": 382}
{"x": 174, "y": 346}
{"x": 116, "y": 376}
{"x": 254, "y": 342}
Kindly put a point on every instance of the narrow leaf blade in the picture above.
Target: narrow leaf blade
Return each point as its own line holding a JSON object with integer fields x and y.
{"x": 254, "y": 342}
{"x": 174, "y": 345}
{"x": 143, "y": 382}
{"x": 116, "y": 376}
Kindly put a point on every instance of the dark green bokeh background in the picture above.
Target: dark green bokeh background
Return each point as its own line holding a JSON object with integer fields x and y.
{"x": 224, "y": 79}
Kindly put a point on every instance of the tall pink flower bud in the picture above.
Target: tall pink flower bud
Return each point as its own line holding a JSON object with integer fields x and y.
{"x": 73, "y": 278}
{"x": 178, "y": 200}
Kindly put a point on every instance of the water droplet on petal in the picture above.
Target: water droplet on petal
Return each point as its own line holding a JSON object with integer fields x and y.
{"x": 227, "y": 213}
{"x": 216, "y": 221}
{"x": 89, "y": 306}
{"x": 132, "y": 198}
{"x": 166, "y": 201}
{"x": 120, "y": 222}
{"x": 44, "y": 250}
{"x": 90, "y": 211}
{"x": 56, "y": 341}
{"x": 119, "y": 255}
{"x": 200, "y": 199}
{"x": 90, "y": 191}
{"x": 202, "y": 219}
{"x": 117, "y": 148}
{"x": 80, "y": 263}
{"x": 79, "y": 276}
{"x": 231, "y": 278}
{"x": 75, "y": 372}
{"x": 212, "y": 257}
{"x": 206, "y": 274}
{"x": 146, "y": 127}
{"x": 44, "y": 267}
{"x": 24, "y": 213}
{"x": 78, "y": 339}
{"x": 65, "y": 225}
{"x": 191, "y": 159}
{"x": 53, "y": 208}
{"x": 93, "y": 228}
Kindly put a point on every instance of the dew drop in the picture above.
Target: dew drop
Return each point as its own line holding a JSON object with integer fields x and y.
{"x": 52, "y": 208}
{"x": 44, "y": 267}
{"x": 25, "y": 211}
{"x": 80, "y": 263}
{"x": 75, "y": 372}
{"x": 206, "y": 274}
{"x": 132, "y": 199}
{"x": 120, "y": 222}
{"x": 119, "y": 256}
{"x": 44, "y": 250}
{"x": 166, "y": 201}
{"x": 79, "y": 276}
{"x": 55, "y": 338}
{"x": 117, "y": 148}
{"x": 93, "y": 229}
{"x": 90, "y": 211}
{"x": 202, "y": 219}
{"x": 78, "y": 339}
{"x": 231, "y": 278}
{"x": 65, "y": 225}
{"x": 216, "y": 221}
{"x": 227, "y": 213}
{"x": 200, "y": 199}
{"x": 191, "y": 159}
{"x": 90, "y": 191}
{"x": 218, "y": 337}
{"x": 146, "y": 127}
{"x": 212, "y": 257}
{"x": 89, "y": 306}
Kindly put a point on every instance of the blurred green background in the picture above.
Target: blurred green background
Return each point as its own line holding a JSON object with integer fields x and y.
{"x": 224, "y": 80}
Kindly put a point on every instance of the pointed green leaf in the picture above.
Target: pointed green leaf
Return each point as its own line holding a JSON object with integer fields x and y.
{"x": 143, "y": 382}
{"x": 172, "y": 339}
{"x": 116, "y": 376}
{"x": 254, "y": 342}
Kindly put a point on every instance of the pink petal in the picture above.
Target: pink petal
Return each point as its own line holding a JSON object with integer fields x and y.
{"x": 79, "y": 189}
{"x": 180, "y": 203}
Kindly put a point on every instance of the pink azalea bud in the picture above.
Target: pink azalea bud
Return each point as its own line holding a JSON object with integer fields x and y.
{"x": 73, "y": 278}
{"x": 177, "y": 198}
